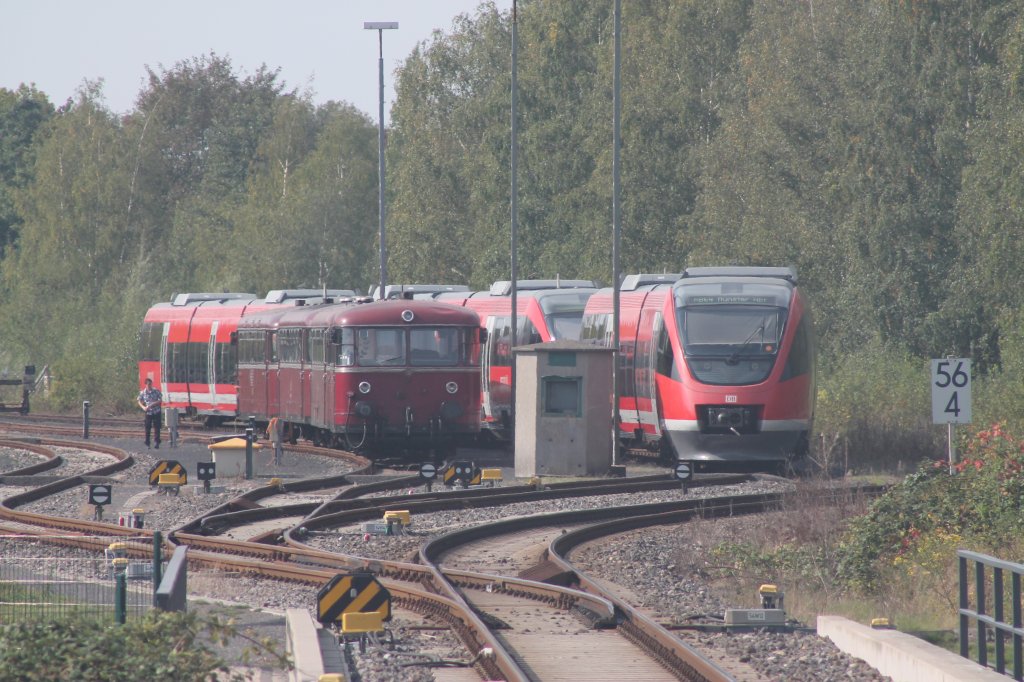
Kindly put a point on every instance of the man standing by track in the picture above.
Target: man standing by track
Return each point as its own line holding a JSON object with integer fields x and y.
{"x": 151, "y": 401}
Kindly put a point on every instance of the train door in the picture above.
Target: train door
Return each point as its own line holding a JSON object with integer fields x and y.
{"x": 305, "y": 375}
{"x": 318, "y": 375}
{"x": 211, "y": 365}
{"x": 645, "y": 371}
{"x": 273, "y": 374}
{"x": 164, "y": 360}
{"x": 496, "y": 371}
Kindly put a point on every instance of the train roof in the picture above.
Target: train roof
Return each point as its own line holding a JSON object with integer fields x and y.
{"x": 375, "y": 313}
{"x": 634, "y": 282}
{"x": 788, "y": 274}
{"x": 197, "y": 297}
{"x": 504, "y": 287}
{"x": 406, "y": 291}
{"x": 283, "y": 295}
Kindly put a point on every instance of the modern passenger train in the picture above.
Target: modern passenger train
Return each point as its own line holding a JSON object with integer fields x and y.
{"x": 350, "y": 373}
{"x": 717, "y": 365}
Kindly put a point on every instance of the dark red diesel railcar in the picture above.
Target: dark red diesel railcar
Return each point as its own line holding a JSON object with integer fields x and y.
{"x": 402, "y": 373}
{"x": 717, "y": 364}
{"x": 546, "y": 310}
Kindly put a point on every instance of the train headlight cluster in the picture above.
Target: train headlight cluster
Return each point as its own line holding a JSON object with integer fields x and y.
{"x": 727, "y": 416}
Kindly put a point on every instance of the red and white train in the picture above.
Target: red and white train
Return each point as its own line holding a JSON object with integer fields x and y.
{"x": 717, "y": 365}
{"x": 546, "y": 310}
{"x": 334, "y": 369}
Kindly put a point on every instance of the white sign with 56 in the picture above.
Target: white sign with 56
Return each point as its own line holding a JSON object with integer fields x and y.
{"x": 951, "y": 391}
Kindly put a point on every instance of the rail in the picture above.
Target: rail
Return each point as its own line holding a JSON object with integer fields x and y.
{"x": 1001, "y": 628}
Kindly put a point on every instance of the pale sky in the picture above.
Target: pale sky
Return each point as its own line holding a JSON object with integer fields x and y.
{"x": 318, "y": 45}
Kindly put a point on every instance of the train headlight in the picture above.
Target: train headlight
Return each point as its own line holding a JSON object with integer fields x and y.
{"x": 451, "y": 387}
{"x": 364, "y": 410}
{"x": 408, "y": 315}
{"x": 364, "y": 387}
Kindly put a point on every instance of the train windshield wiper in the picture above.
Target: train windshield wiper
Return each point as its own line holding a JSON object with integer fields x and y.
{"x": 735, "y": 357}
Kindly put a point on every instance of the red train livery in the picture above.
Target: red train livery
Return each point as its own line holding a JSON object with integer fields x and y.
{"x": 373, "y": 374}
{"x": 716, "y": 364}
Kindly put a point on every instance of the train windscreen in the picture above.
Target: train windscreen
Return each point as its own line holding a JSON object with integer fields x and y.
{"x": 437, "y": 347}
{"x": 563, "y": 313}
{"x": 731, "y": 332}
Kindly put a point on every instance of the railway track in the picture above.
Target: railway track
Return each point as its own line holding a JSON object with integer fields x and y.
{"x": 477, "y": 605}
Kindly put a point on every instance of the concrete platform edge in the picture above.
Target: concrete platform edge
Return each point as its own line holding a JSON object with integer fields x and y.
{"x": 902, "y": 657}
{"x": 304, "y": 646}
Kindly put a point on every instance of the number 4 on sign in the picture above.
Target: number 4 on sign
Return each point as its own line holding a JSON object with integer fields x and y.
{"x": 951, "y": 391}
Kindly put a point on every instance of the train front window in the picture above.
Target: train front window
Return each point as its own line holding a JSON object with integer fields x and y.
{"x": 565, "y": 325}
{"x": 436, "y": 346}
{"x": 380, "y": 347}
{"x": 563, "y": 313}
{"x": 731, "y": 330}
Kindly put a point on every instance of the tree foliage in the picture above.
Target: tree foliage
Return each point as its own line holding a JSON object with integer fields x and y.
{"x": 872, "y": 144}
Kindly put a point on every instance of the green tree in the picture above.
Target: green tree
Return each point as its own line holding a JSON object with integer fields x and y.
{"x": 311, "y": 208}
{"x": 23, "y": 114}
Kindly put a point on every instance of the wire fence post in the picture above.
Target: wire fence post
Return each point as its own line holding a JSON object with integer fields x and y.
{"x": 121, "y": 591}
{"x": 158, "y": 542}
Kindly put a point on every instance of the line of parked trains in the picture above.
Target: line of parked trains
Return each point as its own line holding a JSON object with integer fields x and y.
{"x": 715, "y": 364}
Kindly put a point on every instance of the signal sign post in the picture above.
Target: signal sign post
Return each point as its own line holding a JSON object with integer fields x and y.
{"x": 951, "y": 397}
{"x": 100, "y": 494}
{"x": 428, "y": 472}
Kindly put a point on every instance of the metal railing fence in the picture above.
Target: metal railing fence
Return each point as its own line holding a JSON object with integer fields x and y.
{"x": 994, "y": 600}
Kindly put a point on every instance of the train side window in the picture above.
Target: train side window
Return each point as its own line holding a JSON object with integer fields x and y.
{"x": 176, "y": 369}
{"x": 149, "y": 341}
{"x": 197, "y": 362}
{"x": 665, "y": 359}
{"x": 528, "y": 333}
{"x": 315, "y": 346}
{"x": 801, "y": 355}
{"x": 225, "y": 363}
{"x": 345, "y": 340}
{"x": 501, "y": 353}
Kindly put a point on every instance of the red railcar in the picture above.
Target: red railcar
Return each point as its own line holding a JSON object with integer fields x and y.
{"x": 399, "y": 373}
{"x": 546, "y": 310}
{"x": 189, "y": 346}
{"x": 716, "y": 365}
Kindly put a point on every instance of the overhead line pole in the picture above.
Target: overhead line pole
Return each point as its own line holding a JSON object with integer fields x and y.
{"x": 616, "y": 227}
{"x": 380, "y": 26}
{"x": 515, "y": 211}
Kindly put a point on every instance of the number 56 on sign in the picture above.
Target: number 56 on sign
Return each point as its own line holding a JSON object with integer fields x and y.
{"x": 951, "y": 391}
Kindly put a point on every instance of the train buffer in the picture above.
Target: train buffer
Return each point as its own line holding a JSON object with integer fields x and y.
{"x": 490, "y": 477}
{"x": 397, "y": 520}
{"x": 170, "y": 484}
